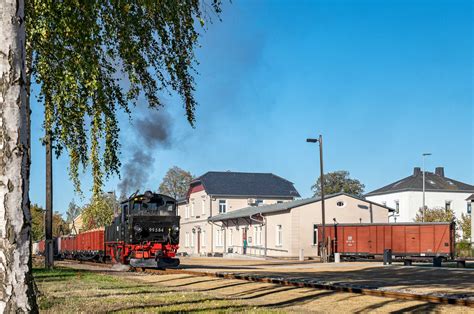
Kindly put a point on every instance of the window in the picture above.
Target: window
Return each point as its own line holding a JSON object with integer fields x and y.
{"x": 192, "y": 209}
{"x": 222, "y": 206}
{"x": 279, "y": 235}
{"x": 279, "y": 202}
{"x": 397, "y": 206}
{"x": 186, "y": 211}
{"x": 203, "y": 205}
{"x": 448, "y": 205}
{"x": 315, "y": 234}
{"x": 192, "y": 239}
{"x": 203, "y": 238}
{"x": 186, "y": 240}
{"x": 220, "y": 237}
{"x": 469, "y": 207}
{"x": 258, "y": 202}
{"x": 231, "y": 237}
{"x": 384, "y": 203}
{"x": 258, "y": 235}
{"x": 340, "y": 204}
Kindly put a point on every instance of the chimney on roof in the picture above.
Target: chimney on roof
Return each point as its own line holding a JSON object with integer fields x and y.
{"x": 416, "y": 171}
{"x": 440, "y": 171}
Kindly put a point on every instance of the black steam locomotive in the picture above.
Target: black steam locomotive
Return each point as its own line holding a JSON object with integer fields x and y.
{"x": 146, "y": 233}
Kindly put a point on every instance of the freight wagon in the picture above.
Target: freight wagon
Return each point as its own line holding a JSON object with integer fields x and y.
{"x": 434, "y": 239}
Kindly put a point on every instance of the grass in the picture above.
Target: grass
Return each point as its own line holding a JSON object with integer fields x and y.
{"x": 66, "y": 291}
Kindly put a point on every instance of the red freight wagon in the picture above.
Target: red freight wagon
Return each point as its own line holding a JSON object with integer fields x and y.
{"x": 90, "y": 240}
{"x": 41, "y": 247}
{"x": 404, "y": 239}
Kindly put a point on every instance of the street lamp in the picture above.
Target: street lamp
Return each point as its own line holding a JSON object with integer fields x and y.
{"x": 323, "y": 210}
{"x": 424, "y": 206}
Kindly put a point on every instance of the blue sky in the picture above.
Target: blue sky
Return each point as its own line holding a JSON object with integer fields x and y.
{"x": 383, "y": 81}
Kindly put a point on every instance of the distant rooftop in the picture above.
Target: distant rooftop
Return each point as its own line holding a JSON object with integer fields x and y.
{"x": 247, "y": 184}
{"x": 434, "y": 182}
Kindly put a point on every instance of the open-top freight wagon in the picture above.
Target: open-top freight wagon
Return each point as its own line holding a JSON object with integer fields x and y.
{"x": 145, "y": 234}
{"x": 433, "y": 239}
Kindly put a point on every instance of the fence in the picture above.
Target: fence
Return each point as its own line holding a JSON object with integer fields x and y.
{"x": 252, "y": 250}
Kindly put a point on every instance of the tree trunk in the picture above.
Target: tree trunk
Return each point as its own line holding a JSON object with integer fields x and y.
{"x": 16, "y": 288}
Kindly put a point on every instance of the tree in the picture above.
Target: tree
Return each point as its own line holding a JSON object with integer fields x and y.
{"x": 176, "y": 182}
{"x": 17, "y": 286}
{"x": 37, "y": 222}
{"x": 60, "y": 226}
{"x": 465, "y": 225}
{"x": 338, "y": 181}
{"x": 72, "y": 211}
{"x": 436, "y": 214}
{"x": 100, "y": 211}
{"x": 78, "y": 52}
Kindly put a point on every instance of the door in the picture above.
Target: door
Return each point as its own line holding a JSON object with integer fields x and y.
{"x": 244, "y": 241}
{"x": 199, "y": 241}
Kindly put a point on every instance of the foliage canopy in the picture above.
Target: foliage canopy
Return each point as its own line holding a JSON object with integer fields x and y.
{"x": 60, "y": 226}
{"x": 100, "y": 211}
{"x": 176, "y": 182}
{"x": 93, "y": 59}
{"x": 436, "y": 214}
{"x": 338, "y": 181}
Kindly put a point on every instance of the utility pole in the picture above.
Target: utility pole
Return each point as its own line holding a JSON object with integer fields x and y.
{"x": 48, "y": 224}
{"x": 424, "y": 205}
{"x": 324, "y": 257}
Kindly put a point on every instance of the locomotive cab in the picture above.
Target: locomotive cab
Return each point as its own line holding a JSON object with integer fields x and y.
{"x": 146, "y": 233}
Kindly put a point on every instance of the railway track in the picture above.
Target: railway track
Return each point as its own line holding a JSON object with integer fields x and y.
{"x": 301, "y": 283}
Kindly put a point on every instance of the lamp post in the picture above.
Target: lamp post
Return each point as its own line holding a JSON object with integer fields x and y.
{"x": 323, "y": 210}
{"x": 424, "y": 206}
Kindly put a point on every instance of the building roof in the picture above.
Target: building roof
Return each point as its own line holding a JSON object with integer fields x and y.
{"x": 265, "y": 209}
{"x": 246, "y": 184}
{"x": 434, "y": 182}
{"x": 470, "y": 198}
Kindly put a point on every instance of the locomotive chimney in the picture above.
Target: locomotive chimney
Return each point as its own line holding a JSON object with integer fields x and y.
{"x": 440, "y": 171}
{"x": 416, "y": 171}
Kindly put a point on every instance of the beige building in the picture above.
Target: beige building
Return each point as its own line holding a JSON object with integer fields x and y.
{"x": 76, "y": 225}
{"x": 224, "y": 210}
{"x": 216, "y": 193}
{"x": 284, "y": 229}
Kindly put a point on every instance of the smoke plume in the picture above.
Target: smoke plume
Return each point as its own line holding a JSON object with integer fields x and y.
{"x": 151, "y": 131}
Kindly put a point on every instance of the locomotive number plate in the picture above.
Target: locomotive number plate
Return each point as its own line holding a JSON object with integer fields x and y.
{"x": 155, "y": 229}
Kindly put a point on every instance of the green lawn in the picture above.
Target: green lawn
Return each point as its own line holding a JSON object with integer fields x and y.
{"x": 67, "y": 290}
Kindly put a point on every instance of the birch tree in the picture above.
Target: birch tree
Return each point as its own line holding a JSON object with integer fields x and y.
{"x": 80, "y": 53}
{"x": 16, "y": 288}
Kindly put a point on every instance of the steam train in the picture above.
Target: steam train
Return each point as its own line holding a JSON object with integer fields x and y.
{"x": 145, "y": 234}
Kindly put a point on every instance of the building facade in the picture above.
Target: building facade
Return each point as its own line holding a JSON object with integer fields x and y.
{"x": 257, "y": 214}
{"x": 282, "y": 230}
{"x": 406, "y": 195}
{"x": 217, "y": 193}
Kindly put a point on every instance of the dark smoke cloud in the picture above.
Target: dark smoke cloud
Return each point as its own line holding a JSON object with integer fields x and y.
{"x": 151, "y": 130}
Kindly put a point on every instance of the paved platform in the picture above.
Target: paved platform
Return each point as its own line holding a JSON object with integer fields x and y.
{"x": 448, "y": 282}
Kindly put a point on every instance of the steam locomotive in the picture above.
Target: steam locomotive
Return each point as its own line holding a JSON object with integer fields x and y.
{"x": 145, "y": 234}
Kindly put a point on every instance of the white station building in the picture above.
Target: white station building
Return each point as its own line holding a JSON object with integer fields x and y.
{"x": 406, "y": 195}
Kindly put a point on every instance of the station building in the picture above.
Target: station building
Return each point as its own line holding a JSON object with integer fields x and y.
{"x": 224, "y": 210}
